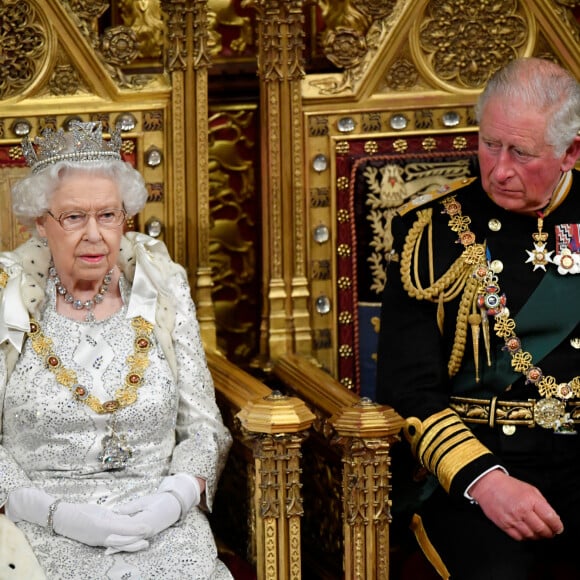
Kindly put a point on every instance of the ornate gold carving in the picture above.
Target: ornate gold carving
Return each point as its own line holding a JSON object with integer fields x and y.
{"x": 277, "y": 460}
{"x": 144, "y": 18}
{"x": 116, "y": 47}
{"x": 223, "y": 13}
{"x": 355, "y": 32}
{"x": 119, "y": 46}
{"x": 23, "y": 46}
{"x": 280, "y": 38}
{"x": 563, "y": 9}
{"x": 345, "y": 47}
{"x": 176, "y": 35}
{"x": 64, "y": 79}
{"x": 402, "y": 75}
{"x": 477, "y": 42}
{"x": 232, "y": 245}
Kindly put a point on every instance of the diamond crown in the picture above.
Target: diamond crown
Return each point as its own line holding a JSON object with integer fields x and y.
{"x": 82, "y": 143}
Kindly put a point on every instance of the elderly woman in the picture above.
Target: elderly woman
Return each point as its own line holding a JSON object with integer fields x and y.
{"x": 112, "y": 443}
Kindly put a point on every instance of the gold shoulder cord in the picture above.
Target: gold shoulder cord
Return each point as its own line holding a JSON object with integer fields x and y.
{"x": 455, "y": 280}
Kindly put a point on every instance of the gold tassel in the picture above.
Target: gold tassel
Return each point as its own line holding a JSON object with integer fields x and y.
{"x": 475, "y": 321}
{"x": 486, "y": 339}
{"x": 440, "y": 312}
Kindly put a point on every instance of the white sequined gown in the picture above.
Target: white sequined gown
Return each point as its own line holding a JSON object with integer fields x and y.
{"x": 55, "y": 441}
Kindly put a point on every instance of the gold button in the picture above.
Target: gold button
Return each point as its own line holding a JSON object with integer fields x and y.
{"x": 496, "y": 266}
{"x": 508, "y": 429}
{"x": 494, "y": 225}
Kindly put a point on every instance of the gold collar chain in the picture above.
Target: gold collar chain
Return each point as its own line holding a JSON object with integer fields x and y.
{"x": 126, "y": 395}
{"x": 549, "y": 413}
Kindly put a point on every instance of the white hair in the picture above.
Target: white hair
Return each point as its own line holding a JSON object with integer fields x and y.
{"x": 31, "y": 196}
{"x": 545, "y": 86}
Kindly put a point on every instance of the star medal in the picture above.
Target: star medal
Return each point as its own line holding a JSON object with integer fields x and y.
{"x": 539, "y": 256}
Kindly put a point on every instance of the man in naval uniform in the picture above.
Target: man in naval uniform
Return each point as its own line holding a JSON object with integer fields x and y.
{"x": 480, "y": 336}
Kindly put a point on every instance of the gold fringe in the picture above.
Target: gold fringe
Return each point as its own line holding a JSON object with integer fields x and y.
{"x": 457, "y": 280}
{"x": 427, "y": 547}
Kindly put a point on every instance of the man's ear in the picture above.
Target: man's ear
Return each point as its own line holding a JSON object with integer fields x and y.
{"x": 572, "y": 155}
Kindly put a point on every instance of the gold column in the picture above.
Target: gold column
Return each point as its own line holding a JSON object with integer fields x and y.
{"x": 366, "y": 432}
{"x": 188, "y": 61}
{"x": 276, "y": 426}
{"x": 285, "y": 323}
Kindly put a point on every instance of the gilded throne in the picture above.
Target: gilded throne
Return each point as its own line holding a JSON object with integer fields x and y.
{"x": 277, "y": 195}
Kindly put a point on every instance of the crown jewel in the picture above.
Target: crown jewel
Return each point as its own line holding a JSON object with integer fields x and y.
{"x": 82, "y": 143}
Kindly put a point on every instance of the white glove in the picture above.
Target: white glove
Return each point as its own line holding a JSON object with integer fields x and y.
{"x": 29, "y": 504}
{"x": 97, "y": 525}
{"x": 176, "y": 495}
{"x": 90, "y": 524}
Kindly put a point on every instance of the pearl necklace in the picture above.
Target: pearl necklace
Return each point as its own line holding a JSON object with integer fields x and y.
{"x": 77, "y": 304}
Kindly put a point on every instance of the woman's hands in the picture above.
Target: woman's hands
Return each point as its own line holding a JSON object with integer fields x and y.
{"x": 125, "y": 528}
{"x": 516, "y": 507}
{"x": 176, "y": 495}
{"x": 90, "y": 524}
{"x": 96, "y": 525}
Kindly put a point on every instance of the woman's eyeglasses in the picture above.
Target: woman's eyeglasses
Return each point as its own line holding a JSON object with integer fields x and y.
{"x": 78, "y": 219}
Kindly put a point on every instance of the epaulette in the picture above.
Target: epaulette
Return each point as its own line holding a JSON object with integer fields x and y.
{"x": 434, "y": 194}
{"x": 3, "y": 278}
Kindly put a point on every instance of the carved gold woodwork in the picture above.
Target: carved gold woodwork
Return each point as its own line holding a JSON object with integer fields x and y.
{"x": 272, "y": 428}
{"x": 285, "y": 312}
{"x": 188, "y": 60}
{"x": 234, "y": 233}
{"x": 363, "y": 432}
{"x": 223, "y": 14}
{"x": 145, "y": 19}
{"x": 275, "y": 426}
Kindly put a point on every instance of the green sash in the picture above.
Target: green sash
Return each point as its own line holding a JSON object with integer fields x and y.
{"x": 545, "y": 320}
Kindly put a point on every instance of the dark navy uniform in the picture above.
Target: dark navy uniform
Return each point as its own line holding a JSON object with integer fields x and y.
{"x": 458, "y": 440}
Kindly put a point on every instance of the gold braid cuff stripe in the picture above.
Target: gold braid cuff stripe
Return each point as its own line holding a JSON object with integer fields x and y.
{"x": 444, "y": 445}
{"x": 125, "y": 395}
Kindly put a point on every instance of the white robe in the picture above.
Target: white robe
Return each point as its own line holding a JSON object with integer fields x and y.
{"x": 51, "y": 441}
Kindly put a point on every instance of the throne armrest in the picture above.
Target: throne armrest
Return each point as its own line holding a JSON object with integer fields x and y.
{"x": 260, "y": 508}
{"x": 362, "y": 432}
